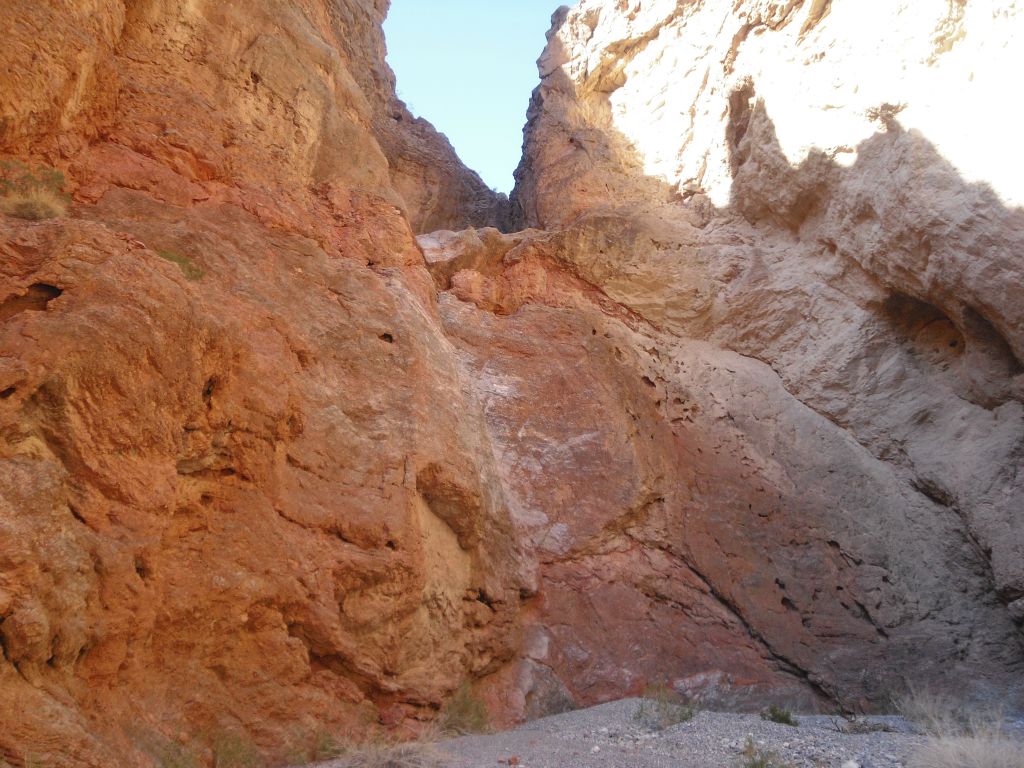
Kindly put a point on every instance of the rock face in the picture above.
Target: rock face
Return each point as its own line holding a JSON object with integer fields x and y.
{"x": 741, "y": 410}
{"x": 249, "y": 504}
{"x": 823, "y": 260}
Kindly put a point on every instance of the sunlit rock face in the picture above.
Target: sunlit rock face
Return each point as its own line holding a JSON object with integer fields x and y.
{"x": 830, "y": 72}
{"x": 809, "y": 213}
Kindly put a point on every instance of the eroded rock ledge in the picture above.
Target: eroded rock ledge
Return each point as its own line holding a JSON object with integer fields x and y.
{"x": 742, "y": 411}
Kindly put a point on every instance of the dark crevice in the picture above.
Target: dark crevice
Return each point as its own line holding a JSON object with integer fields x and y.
{"x": 784, "y": 663}
{"x": 741, "y": 107}
{"x": 208, "y": 389}
{"x": 142, "y": 569}
{"x": 35, "y": 299}
{"x": 942, "y": 498}
{"x": 77, "y": 515}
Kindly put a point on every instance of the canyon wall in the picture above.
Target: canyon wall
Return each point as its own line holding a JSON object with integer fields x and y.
{"x": 792, "y": 464}
{"x": 241, "y": 493}
{"x": 739, "y": 408}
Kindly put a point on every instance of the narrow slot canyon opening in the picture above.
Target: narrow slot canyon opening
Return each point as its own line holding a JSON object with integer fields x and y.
{"x": 469, "y": 68}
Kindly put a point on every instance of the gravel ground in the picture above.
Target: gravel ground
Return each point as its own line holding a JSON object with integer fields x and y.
{"x": 609, "y": 736}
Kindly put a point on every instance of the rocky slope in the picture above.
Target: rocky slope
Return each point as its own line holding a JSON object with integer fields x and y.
{"x": 741, "y": 410}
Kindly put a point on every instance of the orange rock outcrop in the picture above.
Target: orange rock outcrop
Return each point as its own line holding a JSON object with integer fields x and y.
{"x": 740, "y": 411}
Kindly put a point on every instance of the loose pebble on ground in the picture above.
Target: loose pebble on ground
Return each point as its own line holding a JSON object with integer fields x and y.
{"x": 609, "y": 736}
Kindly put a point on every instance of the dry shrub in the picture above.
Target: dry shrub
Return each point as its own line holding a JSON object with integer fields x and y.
{"x": 983, "y": 749}
{"x": 34, "y": 205}
{"x": 661, "y": 707}
{"x": 859, "y": 725}
{"x": 384, "y": 755}
{"x": 464, "y": 713}
{"x": 962, "y": 737}
{"x": 780, "y": 715}
{"x": 939, "y": 715}
{"x": 32, "y": 195}
{"x": 753, "y": 757}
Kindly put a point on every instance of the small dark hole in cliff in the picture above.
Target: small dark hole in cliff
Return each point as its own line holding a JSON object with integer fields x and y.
{"x": 208, "y": 389}
{"x": 256, "y": 79}
{"x": 649, "y": 382}
{"x": 35, "y": 299}
{"x": 387, "y": 337}
{"x": 142, "y": 569}
{"x": 391, "y": 545}
{"x": 7, "y": 393}
{"x": 929, "y": 333}
{"x": 789, "y": 604}
{"x": 76, "y": 514}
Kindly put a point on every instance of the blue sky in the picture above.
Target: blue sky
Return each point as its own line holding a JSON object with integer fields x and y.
{"x": 469, "y": 67}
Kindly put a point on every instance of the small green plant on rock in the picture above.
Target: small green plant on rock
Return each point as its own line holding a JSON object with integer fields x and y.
{"x": 779, "y": 715}
{"x": 188, "y": 268}
{"x": 464, "y": 713}
{"x": 754, "y": 757}
{"x": 661, "y": 707}
{"x": 32, "y": 194}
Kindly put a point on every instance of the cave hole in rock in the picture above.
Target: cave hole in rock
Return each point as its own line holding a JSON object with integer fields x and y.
{"x": 930, "y": 334}
{"x": 209, "y": 388}
{"x": 474, "y": 79}
{"x": 35, "y": 299}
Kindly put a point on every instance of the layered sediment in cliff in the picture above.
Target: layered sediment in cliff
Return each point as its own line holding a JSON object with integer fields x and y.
{"x": 740, "y": 412}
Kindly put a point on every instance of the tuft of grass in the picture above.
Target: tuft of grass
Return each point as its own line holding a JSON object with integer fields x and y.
{"x": 32, "y": 194}
{"x": 189, "y": 268}
{"x": 961, "y": 737}
{"x": 232, "y": 750}
{"x": 988, "y": 748}
{"x": 754, "y": 757}
{"x": 386, "y": 755}
{"x": 941, "y": 715}
{"x": 464, "y": 713}
{"x": 661, "y": 707}
{"x": 779, "y": 715}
